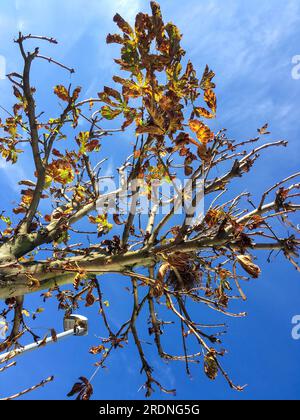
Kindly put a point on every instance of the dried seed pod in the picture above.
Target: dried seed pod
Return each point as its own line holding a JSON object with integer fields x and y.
{"x": 246, "y": 262}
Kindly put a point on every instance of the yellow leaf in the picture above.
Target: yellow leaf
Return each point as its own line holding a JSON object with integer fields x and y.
{"x": 204, "y": 134}
{"x": 62, "y": 93}
{"x": 202, "y": 112}
{"x": 210, "y": 99}
{"x": 40, "y": 310}
{"x": 206, "y": 82}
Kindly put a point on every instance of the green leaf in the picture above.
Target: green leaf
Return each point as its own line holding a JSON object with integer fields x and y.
{"x": 108, "y": 113}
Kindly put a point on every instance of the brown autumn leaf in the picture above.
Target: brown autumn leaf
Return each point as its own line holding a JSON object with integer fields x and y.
{"x": 117, "y": 221}
{"x": 113, "y": 93}
{"x": 214, "y": 216}
{"x": 264, "y": 130}
{"x": 255, "y": 222}
{"x": 27, "y": 183}
{"x": 17, "y": 93}
{"x": 123, "y": 25}
{"x": 204, "y": 153}
{"x": 62, "y": 93}
{"x": 53, "y": 335}
{"x": 97, "y": 349}
{"x": 90, "y": 299}
{"x": 19, "y": 210}
{"x": 60, "y": 171}
{"x": 76, "y": 389}
{"x": 76, "y": 281}
{"x": 210, "y": 365}
{"x": 57, "y": 153}
{"x": 281, "y": 196}
{"x": 114, "y": 39}
{"x": 92, "y": 145}
{"x": 188, "y": 170}
{"x": 154, "y": 130}
{"x": 83, "y": 388}
{"x": 76, "y": 93}
{"x": 202, "y": 112}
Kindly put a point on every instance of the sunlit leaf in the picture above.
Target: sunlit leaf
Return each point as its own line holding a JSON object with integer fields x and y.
{"x": 206, "y": 81}
{"x": 109, "y": 113}
{"x": 62, "y": 93}
{"x": 204, "y": 134}
{"x": 210, "y": 99}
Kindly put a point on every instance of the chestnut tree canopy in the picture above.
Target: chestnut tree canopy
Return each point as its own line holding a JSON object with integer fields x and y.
{"x": 195, "y": 244}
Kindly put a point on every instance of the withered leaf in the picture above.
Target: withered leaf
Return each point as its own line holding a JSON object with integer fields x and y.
{"x": 211, "y": 99}
{"x": 246, "y": 262}
{"x": 214, "y": 216}
{"x": 83, "y": 388}
{"x": 97, "y": 349}
{"x": 188, "y": 170}
{"x": 202, "y": 112}
{"x": 264, "y": 130}
{"x": 113, "y": 93}
{"x": 28, "y": 183}
{"x": 154, "y": 130}
{"x": 53, "y": 335}
{"x": 206, "y": 82}
{"x": 123, "y": 25}
{"x": 62, "y": 93}
{"x": 210, "y": 366}
{"x": 114, "y": 39}
{"x": 116, "y": 219}
{"x": 60, "y": 171}
{"x": 77, "y": 388}
{"x": 90, "y": 299}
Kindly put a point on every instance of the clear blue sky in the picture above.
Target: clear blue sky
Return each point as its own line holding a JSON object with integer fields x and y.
{"x": 250, "y": 46}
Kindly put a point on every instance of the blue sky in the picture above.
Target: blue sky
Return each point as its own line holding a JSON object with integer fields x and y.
{"x": 250, "y": 46}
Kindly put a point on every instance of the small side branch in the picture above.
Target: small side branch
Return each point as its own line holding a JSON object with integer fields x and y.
{"x": 3, "y": 369}
{"x": 41, "y": 38}
{"x": 50, "y": 60}
{"x": 26, "y": 391}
